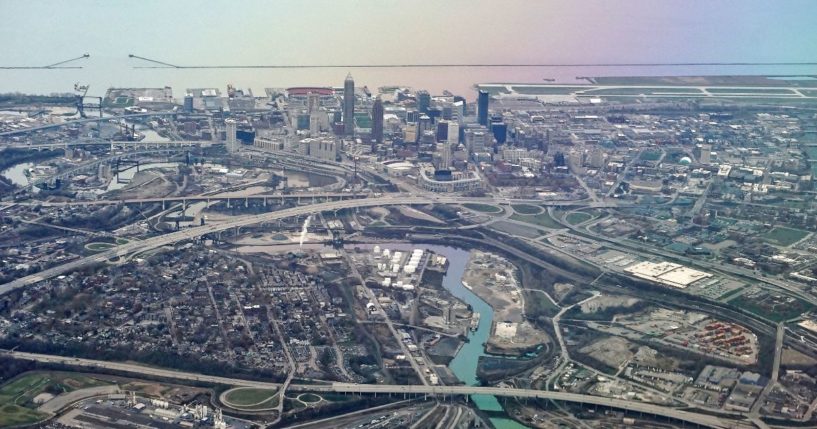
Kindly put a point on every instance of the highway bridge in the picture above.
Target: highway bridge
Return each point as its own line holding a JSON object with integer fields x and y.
{"x": 162, "y": 240}
{"x": 86, "y": 120}
{"x": 241, "y": 221}
{"x": 705, "y": 420}
{"x": 116, "y": 144}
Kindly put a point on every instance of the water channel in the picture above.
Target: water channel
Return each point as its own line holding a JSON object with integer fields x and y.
{"x": 464, "y": 364}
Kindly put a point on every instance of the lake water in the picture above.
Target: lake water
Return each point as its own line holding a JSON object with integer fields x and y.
{"x": 365, "y": 32}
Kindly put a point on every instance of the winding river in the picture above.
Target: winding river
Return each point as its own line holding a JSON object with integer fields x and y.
{"x": 464, "y": 364}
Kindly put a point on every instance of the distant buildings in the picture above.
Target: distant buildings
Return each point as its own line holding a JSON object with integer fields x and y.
{"x": 482, "y": 108}
{"x": 377, "y": 121}
{"x": 349, "y": 106}
{"x": 423, "y": 101}
{"x": 231, "y": 139}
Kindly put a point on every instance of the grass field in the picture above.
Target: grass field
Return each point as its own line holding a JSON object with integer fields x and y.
{"x": 773, "y": 308}
{"x": 547, "y": 90}
{"x": 483, "y": 208}
{"x": 784, "y": 236}
{"x": 98, "y": 247}
{"x": 536, "y": 304}
{"x": 650, "y": 155}
{"x": 542, "y": 219}
{"x": 526, "y": 209}
{"x": 578, "y": 217}
{"x": 248, "y": 396}
{"x": 309, "y": 398}
{"x": 749, "y": 91}
{"x": 16, "y": 406}
{"x": 638, "y": 91}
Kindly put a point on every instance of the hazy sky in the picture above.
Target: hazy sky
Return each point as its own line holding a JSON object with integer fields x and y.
{"x": 384, "y": 31}
{"x": 412, "y": 31}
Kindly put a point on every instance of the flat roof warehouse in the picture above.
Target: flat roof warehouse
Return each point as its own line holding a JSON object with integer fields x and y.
{"x": 667, "y": 273}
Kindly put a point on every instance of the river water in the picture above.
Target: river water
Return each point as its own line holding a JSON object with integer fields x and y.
{"x": 464, "y": 364}
{"x": 17, "y": 173}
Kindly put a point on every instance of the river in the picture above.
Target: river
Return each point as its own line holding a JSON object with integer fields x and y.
{"x": 464, "y": 364}
{"x": 17, "y": 175}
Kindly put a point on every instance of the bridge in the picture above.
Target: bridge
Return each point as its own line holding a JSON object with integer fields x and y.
{"x": 85, "y": 120}
{"x": 400, "y": 390}
{"x": 146, "y": 144}
{"x": 93, "y": 165}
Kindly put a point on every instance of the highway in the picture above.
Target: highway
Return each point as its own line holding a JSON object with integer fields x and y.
{"x": 405, "y": 390}
{"x": 85, "y": 120}
{"x": 163, "y": 240}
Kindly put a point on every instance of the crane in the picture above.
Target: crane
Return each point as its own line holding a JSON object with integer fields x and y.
{"x": 81, "y": 91}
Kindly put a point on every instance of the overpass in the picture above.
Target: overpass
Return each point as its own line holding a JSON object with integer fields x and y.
{"x": 404, "y": 390}
{"x": 187, "y": 234}
{"x": 86, "y": 120}
{"x": 437, "y": 391}
{"x": 163, "y": 240}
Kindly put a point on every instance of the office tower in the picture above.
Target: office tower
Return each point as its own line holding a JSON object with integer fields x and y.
{"x": 377, "y": 121}
{"x": 453, "y": 135}
{"x": 412, "y": 116}
{"x": 349, "y": 106}
{"x": 445, "y": 156}
{"x": 232, "y": 141}
{"x": 424, "y": 124}
{"x": 442, "y": 131}
{"x": 313, "y": 102}
{"x": 423, "y": 101}
{"x": 482, "y": 107}
{"x": 314, "y": 124}
{"x": 188, "y": 103}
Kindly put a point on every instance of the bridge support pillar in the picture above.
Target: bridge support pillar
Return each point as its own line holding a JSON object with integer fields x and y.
{"x": 228, "y": 203}
{"x": 164, "y": 205}
{"x": 265, "y": 201}
{"x": 246, "y": 202}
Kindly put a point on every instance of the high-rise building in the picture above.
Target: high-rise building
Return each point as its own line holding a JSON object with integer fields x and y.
{"x": 349, "y": 105}
{"x": 445, "y": 156}
{"x": 482, "y": 107}
{"x": 423, "y": 101}
{"x": 314, "y": 124}
{"x": 232, "y": 140}
{"x": 442, "y": 131}
{"x": 188, "y": 103}
{"x": 453, "y": 135}
{"x": 377, "y": 121}
{"x": 313, "y": 102}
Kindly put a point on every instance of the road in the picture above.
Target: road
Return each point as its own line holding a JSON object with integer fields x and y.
{"x": 85, "y": 120}
{"x": 406, "y": 390}
{"x": 778, "y": 352}
{"x": 379, "y": 307}
{"x": 241, "y": 221}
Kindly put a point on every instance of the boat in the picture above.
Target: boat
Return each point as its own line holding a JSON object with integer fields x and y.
{"x": 475, "y": 321}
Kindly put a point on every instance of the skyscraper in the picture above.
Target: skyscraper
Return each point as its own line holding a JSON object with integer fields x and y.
{"x": 377, "y": 121}
{"x": 482, "y": 107}
{"x": 423, "y": 101}
{"x": 230, "y": 130}
{"x": 349, "y": 105}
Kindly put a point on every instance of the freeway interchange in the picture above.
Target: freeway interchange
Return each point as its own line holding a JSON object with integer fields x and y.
{"x": 313, "y": 208}
{"x": 315, "y": 203}
{"x": 400, "y": 391}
